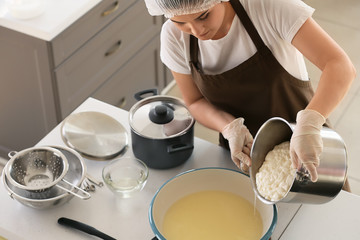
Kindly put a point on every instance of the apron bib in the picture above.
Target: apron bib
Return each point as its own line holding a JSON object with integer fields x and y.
{"x": 257, "y": 89}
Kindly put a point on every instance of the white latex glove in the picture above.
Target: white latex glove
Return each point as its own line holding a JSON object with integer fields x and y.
{"x": 306, "y": 144}
{"x": 240, "y": 141}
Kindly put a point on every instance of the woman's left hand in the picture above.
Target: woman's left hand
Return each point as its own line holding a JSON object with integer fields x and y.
{"x": 306, "y": 144}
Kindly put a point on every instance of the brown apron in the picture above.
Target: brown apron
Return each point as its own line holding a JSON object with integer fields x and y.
{"x": 257, "y": 89}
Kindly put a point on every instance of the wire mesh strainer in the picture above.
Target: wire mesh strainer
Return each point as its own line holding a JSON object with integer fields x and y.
{"x": 36, "y": 169}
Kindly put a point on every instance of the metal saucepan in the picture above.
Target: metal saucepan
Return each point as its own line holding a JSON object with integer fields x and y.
{"x": 331, "y": 172}
{"x": 162, "y": 130}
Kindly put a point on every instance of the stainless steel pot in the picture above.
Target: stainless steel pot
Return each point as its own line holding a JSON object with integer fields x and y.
{"x": 162, "y": 131}
{"x": 331, "y": 172}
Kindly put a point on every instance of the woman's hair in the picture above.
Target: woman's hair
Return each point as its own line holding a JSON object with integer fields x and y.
{"x": 171, "y": 8}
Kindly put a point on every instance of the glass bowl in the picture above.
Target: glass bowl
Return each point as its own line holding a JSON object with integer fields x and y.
{"x": 125, "y": 176}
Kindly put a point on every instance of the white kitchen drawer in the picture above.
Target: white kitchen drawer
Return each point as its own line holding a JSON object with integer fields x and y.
{"x": 90, "y": 66}
{"x": 83, "y": 29}
{"x": 134, "y": 76}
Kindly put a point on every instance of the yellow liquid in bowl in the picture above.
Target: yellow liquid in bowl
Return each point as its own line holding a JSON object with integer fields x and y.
{"x": 212, "y": 215}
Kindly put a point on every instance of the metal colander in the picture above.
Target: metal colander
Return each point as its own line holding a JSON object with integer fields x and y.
{"x": 36, "y": 169}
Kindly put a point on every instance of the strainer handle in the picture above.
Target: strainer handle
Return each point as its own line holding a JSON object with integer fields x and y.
{"x": 87, "y": 195}
{"x": 12, "y": 153}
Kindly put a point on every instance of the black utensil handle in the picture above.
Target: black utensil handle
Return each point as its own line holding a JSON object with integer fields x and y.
{"x": 84, "y": 227}
{"x": 179, "y": 147}
{"x": 140, "y": 95}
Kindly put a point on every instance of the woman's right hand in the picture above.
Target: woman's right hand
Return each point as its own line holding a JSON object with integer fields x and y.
{"x": 240, "y": 142}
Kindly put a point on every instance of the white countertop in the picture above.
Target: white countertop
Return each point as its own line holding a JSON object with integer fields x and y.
{"x": 128, "y": 218}
{"x": 58, "y": 15}
{"x": 337, "y": 219}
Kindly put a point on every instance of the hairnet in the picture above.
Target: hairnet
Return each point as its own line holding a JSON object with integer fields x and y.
{"x": 171, "y": 8}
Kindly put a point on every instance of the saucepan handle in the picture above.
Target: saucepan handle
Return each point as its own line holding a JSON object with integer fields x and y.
{"x": 140, "y": 95}
{"x": 303, "y": 175}
{"x": 179, "y": 147}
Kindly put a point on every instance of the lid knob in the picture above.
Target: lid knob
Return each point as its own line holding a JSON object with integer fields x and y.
{"x": 161, "y": 114}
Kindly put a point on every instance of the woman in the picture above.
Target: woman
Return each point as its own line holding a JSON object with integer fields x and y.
{"x": 237, "y": 61}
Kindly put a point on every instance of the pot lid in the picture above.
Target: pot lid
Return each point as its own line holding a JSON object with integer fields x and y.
{"x": 94, "y": 134}
{"x": 160, "y": 117}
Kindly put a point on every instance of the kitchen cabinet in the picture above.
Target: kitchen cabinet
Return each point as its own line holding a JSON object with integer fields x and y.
{"x": 110, "y": 52}
{"x": 120, "y": 88}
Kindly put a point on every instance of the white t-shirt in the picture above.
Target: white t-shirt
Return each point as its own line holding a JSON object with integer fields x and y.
{"x": 277, "y": 22}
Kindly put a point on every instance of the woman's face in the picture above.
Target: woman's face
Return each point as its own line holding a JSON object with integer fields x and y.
{"x": 204, "y": 25}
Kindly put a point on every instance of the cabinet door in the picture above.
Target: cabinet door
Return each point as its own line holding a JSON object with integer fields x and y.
{"x": 83, "y": 29}
{"x": 168, "y": 77}
{"x": 27, "y": 108}
{"x": 138, "y": 74}
{"x": 89, "y": 67}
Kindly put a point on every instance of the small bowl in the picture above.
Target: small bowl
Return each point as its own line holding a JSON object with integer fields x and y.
{"x": 125, "y": 176}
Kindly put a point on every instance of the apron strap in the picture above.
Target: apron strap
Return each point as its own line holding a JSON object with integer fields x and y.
{"x": 245, "y": 20}
{"x": 249, "y": 26}
{"x": 194, "y": 53}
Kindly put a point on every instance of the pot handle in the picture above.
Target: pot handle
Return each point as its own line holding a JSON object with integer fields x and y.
{"x": 179, "y": 147}
{"x": 139, "y": 95}
{"x": 303, "y": 175}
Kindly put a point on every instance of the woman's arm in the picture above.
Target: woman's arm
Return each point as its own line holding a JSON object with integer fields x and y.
{"x": 204, "y": 112}
{"x": 337, "y": 70}
{"x": 337, "y": 75}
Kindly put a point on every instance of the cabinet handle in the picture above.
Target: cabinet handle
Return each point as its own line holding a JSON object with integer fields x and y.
{"x": 116, "y": 6}
{"x": 121, "y": 103}
{"x": 113, "y": 49}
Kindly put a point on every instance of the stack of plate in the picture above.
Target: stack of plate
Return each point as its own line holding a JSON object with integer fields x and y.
{"x": 94, "y": 135}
